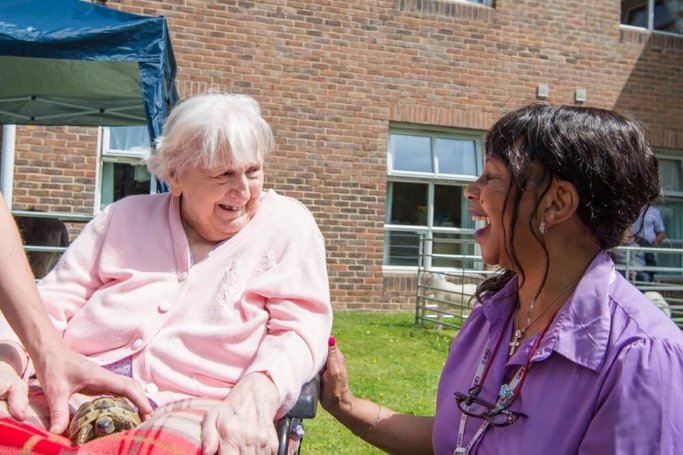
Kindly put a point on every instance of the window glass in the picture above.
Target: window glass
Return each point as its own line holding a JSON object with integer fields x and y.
{"x": 129, "y": 139}
{"x": 668, "y": 14}
{"x": 450, "y": 207}
{"x": 401, "y": 248}
{"x": 671, "y": 207}
{"x": 448, "y": 251}
{"x": 123, "y": 179}
{"x": 634, "y": 12}
{"x": 425, "y": 192}
{"x": 411, "y": 153}
{"x": 671, "y": 174}
{"x": 456, "y": 156}
{"x": 123, "y": 171}
{"x": 408, "y": 203}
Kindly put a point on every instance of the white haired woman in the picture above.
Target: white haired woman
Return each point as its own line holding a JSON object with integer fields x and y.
{"x": 214, "y": 295}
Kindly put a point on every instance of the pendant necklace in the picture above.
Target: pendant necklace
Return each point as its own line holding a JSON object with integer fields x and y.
{"x": 519, "y": 333}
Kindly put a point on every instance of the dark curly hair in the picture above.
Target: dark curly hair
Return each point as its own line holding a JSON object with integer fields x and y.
{"x": 604, "y": 154}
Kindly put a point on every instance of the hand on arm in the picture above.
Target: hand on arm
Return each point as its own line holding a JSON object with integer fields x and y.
{"x": 390, "y": 431}
{"x": 243, "y": 422}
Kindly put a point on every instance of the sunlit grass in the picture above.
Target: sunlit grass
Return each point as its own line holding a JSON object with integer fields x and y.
{"x": 391, "y": 361}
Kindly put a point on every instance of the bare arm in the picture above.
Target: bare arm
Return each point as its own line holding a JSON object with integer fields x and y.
{"x": 388, "y": 430}
{"x": 19, "y": 299}
{"x": 61, "y": 371}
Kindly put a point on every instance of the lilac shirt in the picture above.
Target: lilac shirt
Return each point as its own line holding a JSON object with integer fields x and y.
{"x": 606, "y": 379}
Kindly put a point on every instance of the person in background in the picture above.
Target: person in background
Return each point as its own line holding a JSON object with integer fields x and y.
{"x": 215, "y": 295}
{"x": 561, "y": 354}
{"x": 648, "y": 231}
{"x": 61, "y": 371}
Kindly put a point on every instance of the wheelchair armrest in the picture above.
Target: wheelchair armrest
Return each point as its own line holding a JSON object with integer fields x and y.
{"x": 304, "y": 408}
{"x": 307, "y": 404}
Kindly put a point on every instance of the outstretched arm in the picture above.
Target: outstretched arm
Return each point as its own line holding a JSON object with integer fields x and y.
{"x": 61, "y": 371}
{"x": 386, "y": 429}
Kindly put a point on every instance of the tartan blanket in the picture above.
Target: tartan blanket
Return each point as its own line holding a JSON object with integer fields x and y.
{"x": 21, "y": 438}
{"x": 174, "y": 429}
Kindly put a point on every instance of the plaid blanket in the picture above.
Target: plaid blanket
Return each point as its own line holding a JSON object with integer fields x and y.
{"x": 174, "y": 429}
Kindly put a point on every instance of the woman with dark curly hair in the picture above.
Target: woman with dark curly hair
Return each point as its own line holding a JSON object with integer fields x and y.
{"x": 561, "y": 354}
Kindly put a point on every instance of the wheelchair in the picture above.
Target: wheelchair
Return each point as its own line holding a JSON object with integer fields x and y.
{"x": 304, "y": 408}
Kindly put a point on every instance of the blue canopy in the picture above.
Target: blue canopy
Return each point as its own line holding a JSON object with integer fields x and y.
{"x": 70, "y": 62}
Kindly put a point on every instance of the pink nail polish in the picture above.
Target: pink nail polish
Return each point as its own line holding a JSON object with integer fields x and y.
{"x": 331, "y": 341}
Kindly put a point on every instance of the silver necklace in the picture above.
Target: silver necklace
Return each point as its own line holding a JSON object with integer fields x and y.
{"x": 519, "y": 333}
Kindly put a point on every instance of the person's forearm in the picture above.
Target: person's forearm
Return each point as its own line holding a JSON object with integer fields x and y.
{"x": 660, "y": 238}
{"x": 386, "y": 429}
{"x": 19, "y": 298}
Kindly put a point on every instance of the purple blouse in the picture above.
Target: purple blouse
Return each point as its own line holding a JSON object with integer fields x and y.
{"x": 607, "y": 378}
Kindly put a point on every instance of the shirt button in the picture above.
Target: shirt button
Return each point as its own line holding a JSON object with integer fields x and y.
{"x": 182, "y": 276}
{"x": 137, "y": 343}
{"x": 164, "y": 306}
{"x": 151, "y": 388}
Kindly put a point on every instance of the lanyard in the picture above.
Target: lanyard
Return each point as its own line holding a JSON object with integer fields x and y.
{"x": 508, "y": 392}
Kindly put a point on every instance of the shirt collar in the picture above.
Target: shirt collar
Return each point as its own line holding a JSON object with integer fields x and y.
{"x": 581, "y": 328}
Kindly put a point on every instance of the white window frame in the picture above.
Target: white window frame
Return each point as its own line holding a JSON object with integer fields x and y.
{"x": 430, "y": 179}
{"x": 650, "y": 20}
{"x": 107, "y": 155}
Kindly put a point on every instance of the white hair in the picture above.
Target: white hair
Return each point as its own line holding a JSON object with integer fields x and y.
{"x": 210, "y": 130}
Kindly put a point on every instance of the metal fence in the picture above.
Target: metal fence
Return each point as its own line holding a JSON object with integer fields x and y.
{"x": 41, "y": 233}
{"x": 450, "y": 269}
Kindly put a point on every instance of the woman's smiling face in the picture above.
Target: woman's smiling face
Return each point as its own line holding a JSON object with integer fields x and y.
{"x": 217, "y": 203}
{"x": 491, "y": 199}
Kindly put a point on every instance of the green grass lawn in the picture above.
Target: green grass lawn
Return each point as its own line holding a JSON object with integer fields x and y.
{"x": 390, "y": 361}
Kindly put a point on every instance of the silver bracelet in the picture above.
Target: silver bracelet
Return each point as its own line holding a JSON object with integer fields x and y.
{"x": 363, "y": 434}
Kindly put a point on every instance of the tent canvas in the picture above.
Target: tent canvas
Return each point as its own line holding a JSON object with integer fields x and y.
{"x": 70, "y": 62}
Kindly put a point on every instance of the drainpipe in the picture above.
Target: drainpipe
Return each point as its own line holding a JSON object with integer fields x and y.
{"x": 7, "y": 163}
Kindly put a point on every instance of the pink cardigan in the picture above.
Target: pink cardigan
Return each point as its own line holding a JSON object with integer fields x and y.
{"x": 260, "y": 301}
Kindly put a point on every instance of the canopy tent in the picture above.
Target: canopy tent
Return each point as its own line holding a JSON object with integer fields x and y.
{"x": 70, "y": 62}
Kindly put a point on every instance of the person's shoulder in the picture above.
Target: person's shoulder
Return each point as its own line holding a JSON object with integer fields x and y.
{"x": 635, "y": 316}
{"x": 138, "y": 205}
{"x": 140, "y": 200}
{"x": 287, "y": 206}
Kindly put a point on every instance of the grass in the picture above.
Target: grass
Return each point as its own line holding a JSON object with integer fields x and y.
{"x": 390, "y": 361}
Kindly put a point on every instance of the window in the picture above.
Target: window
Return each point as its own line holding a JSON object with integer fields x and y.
{"x": 123, "y": 171}
{"x": 427, "y": 173}
{"x": 662, "y": 15}
{"x": 671, "y": 206}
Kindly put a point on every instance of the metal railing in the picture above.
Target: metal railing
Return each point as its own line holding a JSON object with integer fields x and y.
{"x": 449, "y": 269}
{"x": 34, "y": 250}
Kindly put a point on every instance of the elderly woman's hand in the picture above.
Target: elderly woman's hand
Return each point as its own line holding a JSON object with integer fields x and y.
{"x": 243, "y": 422}
{"x": 13, "y": 390}
{"x": 334, "y": 388}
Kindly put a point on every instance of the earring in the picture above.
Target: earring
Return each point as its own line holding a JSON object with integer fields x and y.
{"x": 543, "y": 228}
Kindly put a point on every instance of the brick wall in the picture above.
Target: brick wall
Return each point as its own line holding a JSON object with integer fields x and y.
{"x": 331, "y": 75}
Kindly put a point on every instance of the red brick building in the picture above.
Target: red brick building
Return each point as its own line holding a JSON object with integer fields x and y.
{"x": 379, "y": 108}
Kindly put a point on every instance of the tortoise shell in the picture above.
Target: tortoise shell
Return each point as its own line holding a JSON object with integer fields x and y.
{"x": 100, "y": 417}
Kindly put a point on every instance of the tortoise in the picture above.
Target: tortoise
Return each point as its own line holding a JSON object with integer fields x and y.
{"x": 100, "y": 417}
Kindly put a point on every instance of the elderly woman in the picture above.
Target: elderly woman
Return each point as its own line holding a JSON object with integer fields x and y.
{"x": 215, "y": 290}
{"x": 560, "y": 354}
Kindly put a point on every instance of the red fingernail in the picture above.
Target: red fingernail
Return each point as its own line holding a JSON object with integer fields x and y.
{"x": 331, "y": 341}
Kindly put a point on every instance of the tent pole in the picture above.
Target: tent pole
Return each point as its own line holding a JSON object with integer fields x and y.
{"x": 7, "y": 163}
